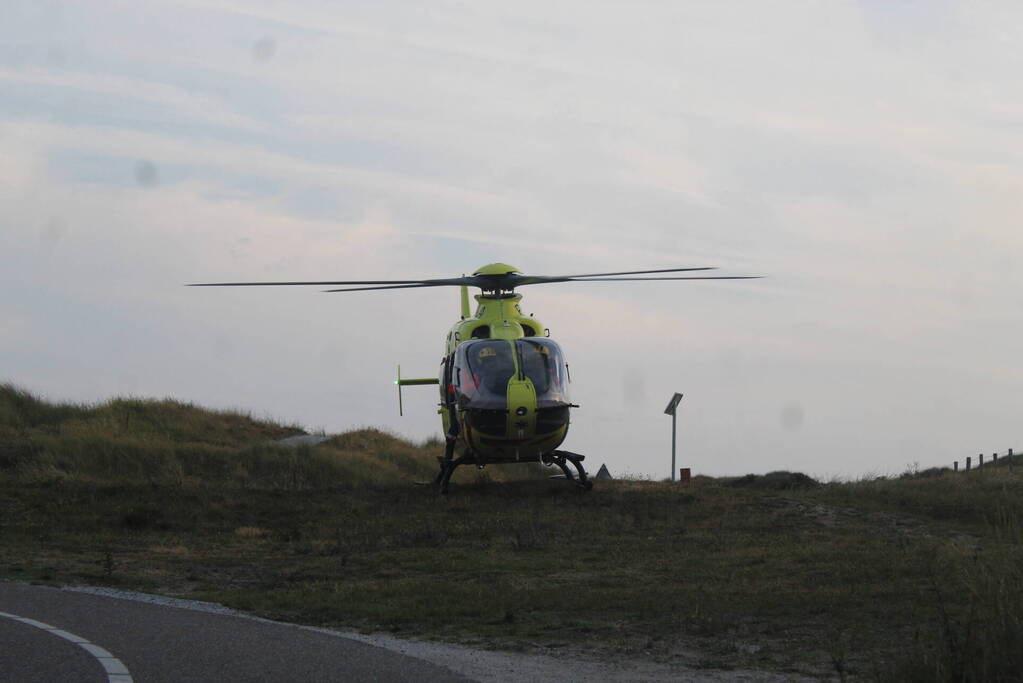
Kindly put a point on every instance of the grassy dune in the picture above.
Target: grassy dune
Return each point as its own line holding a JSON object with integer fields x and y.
{"x": 169, "y": 443}
{"x": 910, "y": 578}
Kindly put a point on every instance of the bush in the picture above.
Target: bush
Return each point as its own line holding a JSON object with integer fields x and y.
{"x": 775, "y": 481}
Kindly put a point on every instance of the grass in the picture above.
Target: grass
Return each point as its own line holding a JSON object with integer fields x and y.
{"x": 968, "y": 621}
{"x": 910, "y": 578}
{"x": 169, "y": 443}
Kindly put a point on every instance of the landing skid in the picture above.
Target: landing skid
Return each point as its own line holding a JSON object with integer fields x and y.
{"x": 448, "y": 465}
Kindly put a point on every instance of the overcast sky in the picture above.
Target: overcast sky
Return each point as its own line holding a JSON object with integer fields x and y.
{"x": 865, "y": 156}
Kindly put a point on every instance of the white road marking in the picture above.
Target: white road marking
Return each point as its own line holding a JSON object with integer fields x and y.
{"x": 117, "y": 672}
{"x": 68, "y": 636}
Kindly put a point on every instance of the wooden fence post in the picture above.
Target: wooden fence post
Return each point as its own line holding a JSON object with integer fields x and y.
{"x": 968, "y": 463}
{"x": 980, "y": 460}
{"x": 955, "y": 466}
{"x": 994, "y": 458}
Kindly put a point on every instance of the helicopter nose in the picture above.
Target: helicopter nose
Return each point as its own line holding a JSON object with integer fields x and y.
{"x": 521, "y": 408}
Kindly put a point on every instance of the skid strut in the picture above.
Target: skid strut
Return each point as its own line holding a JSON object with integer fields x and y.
{"x": 562, "y": 459}
{"x": 448, "y": 464}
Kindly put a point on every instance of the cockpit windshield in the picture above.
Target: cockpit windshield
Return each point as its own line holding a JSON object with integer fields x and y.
{"x": 484, "y": 367}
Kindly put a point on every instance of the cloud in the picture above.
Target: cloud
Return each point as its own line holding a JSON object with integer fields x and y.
{"x": 179, "y": 102}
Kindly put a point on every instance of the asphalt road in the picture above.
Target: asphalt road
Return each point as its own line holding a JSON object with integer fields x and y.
{"x": 49, "y": 634}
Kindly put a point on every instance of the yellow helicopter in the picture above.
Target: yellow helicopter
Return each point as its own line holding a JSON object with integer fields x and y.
{"x": 504, "y": 383}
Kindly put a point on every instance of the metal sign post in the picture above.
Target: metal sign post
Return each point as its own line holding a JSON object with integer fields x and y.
{"x": 671, "y": 410}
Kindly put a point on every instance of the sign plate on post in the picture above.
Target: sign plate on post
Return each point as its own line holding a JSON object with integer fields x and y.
{"x": 673, "y": 404}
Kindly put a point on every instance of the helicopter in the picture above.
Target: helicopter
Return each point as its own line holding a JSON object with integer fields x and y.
{"x": 504, "y": 383}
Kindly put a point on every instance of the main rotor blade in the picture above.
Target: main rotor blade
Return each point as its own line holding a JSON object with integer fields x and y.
{"x": 636, "y": 272}
{"x": 505, "y": 282}
{"x": 541, "y": 279}
{"x": 694, "y": 277}
{"x": 410, "y": 283}
{"x": 366, "y": 289}
{"x": 301, "y": 284}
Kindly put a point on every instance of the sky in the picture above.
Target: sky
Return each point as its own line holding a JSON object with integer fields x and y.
{"x": 865, "y": 157}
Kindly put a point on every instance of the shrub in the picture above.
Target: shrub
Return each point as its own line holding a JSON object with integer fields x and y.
{"x": 776, "y": 481}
